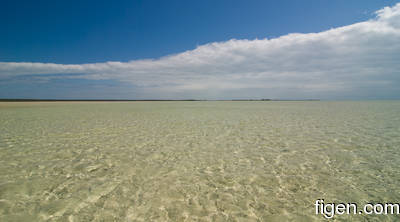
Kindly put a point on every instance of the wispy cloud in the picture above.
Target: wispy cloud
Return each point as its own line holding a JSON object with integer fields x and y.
{"x": 349, "y": 61}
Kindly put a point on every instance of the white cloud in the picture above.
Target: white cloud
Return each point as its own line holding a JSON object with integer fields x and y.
{"x": 349, "y": 61}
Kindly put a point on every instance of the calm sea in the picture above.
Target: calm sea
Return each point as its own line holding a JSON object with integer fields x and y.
{"x": 211, "y": 161}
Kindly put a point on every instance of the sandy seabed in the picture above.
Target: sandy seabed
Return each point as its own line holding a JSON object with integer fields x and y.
{"x": 196, "y": 161}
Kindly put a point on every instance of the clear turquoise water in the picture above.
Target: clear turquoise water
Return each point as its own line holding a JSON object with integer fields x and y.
{"x": 188, "y": 161}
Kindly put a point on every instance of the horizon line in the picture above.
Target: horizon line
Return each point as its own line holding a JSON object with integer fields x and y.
{"x": 149, "y": 100}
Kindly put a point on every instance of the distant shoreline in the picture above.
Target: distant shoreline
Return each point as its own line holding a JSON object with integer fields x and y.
{"x": 143, "y": 100}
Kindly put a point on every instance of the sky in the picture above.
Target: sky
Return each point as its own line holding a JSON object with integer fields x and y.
{"x": 329, "y": 50}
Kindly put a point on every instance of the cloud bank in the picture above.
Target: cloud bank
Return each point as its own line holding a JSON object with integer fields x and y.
{"x": 361, "y": 60}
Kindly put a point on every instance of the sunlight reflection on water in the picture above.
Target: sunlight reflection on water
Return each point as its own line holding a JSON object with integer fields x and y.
{"x": 158, "y": 161}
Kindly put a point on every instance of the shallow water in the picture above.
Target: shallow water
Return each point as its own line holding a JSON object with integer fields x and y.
{"x": 205, "y": 161}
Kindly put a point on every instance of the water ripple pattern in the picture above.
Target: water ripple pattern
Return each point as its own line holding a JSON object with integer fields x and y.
{"x": 196, "y": 161}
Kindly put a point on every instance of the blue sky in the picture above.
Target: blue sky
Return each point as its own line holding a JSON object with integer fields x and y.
{"x": 160, "y": 49}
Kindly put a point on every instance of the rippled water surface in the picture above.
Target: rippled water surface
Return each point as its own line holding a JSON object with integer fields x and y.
{"x": 188, "y": 161}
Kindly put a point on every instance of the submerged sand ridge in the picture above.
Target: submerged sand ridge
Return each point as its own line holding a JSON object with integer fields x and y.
{"x": 203, "y": 160}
